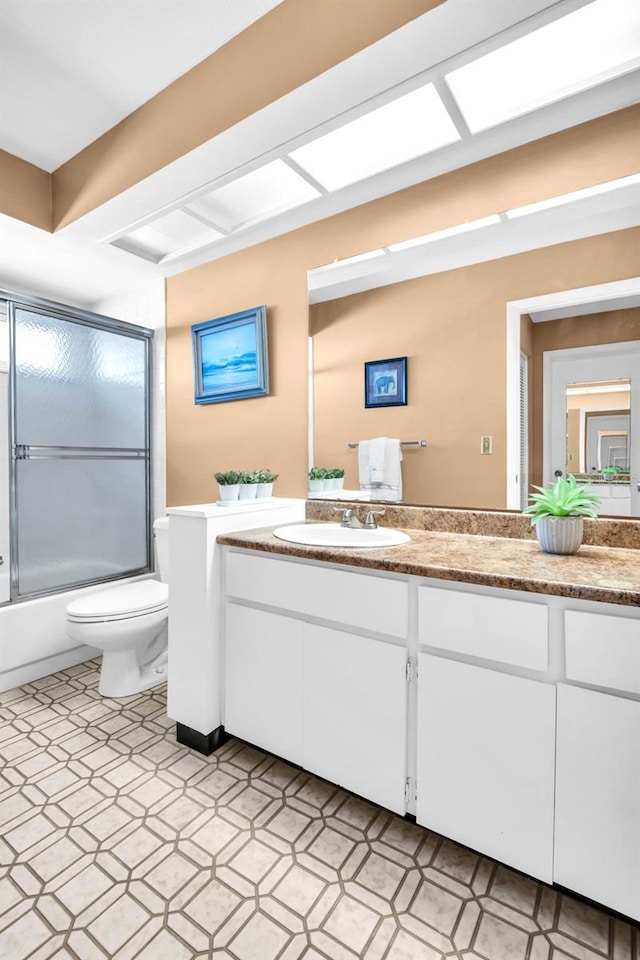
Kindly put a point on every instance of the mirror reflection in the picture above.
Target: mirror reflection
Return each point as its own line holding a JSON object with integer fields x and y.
{"x": 453, "y": 335}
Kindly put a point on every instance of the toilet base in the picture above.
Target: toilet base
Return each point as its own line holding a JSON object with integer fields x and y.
{"x": 122, "y": 676}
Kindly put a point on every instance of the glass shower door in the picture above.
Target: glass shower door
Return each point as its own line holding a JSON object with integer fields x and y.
{"x": 80, "y": 451}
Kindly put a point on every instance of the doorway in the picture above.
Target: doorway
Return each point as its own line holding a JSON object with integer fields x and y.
{"x": 591, "y": 419}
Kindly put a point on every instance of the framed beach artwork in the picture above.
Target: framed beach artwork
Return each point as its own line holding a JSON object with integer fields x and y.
{"x": 385, "y": 382}
{"x": 230, "y": 357}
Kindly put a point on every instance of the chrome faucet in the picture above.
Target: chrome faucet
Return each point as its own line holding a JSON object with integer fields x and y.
{"x": 350, "y": 519}
{"x": 370, "y": 519}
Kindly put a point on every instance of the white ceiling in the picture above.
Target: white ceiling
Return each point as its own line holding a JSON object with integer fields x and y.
{"x": 71, "y": 69}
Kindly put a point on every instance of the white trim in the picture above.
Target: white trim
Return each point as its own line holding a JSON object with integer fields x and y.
{"x": 310, "y": 404}
{"x": 515, "y": 309}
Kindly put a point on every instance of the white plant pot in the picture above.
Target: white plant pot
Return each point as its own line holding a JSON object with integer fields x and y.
{"x": 316, "y": 486}
{"x": 264, "y": 490}
{"x": 229, "y": 491}
{"x": 248, "y": 491}
{"x": 560, "y": 534}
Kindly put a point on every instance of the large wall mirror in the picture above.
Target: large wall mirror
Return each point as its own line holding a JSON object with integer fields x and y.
{"x": 478, "y": 361}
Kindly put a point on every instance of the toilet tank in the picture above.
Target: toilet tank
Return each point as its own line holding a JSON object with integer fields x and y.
{"x": 161, "y": 540}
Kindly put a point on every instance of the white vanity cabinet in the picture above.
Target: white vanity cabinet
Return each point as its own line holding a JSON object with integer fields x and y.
{"x": 355, "y": 713}
{"x": 486, "y": 737}
{"x": 597, "y": 836}
{"x": 485, "y": 767}
{"x": 319, "y": 693}
{"x": 597, "y": 828}
{"x": 518, "y": 735}
{"x": 263, "y": 680}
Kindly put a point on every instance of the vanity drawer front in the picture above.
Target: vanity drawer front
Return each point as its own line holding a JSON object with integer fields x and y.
{"x": 603, "y": 650}
{"x": 354, "y": 599}
{"x": 479, "y": 625}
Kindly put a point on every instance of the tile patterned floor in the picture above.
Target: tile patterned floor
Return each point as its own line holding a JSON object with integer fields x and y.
{"x": 119, "y": 843}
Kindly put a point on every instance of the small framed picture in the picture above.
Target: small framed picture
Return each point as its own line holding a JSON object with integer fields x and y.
{"x": 230, "y": 357}
{"x": 385, "y": 382}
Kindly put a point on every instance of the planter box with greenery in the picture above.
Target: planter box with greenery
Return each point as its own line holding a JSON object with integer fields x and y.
{"x": 558, "y": 513}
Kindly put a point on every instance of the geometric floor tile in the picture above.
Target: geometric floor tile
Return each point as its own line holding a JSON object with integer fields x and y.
{"x": 117, "y": 843}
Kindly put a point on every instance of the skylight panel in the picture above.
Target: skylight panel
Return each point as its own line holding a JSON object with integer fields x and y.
{"x": 265, "y": 192}
{"x": 563, "y": 198}
{"x": 406, "y": 128}
{"x": 166, "y": 235}
{"x": 447, "y": 232}
{"x": 584, "y": 48}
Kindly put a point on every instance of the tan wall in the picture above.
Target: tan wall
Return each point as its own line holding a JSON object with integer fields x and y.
{"x": 293, "y": 43}
{"x": 273, "y": 430}
{"x": 616, "y": 326}
{"x": 25, "y": 191}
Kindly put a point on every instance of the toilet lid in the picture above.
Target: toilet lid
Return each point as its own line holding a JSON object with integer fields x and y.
{"x": 126, "y": 600}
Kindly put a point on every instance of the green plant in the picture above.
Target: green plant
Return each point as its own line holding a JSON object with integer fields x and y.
{"x": 337, "y": 473}
{"x": 317, "y": 473}
{"x": 565, "y": 498}
{"x": 611, "y": 471}
{"x": 228, "y": 479}
{"x": 249, "y": 476}
{"x": 267, "y": 476}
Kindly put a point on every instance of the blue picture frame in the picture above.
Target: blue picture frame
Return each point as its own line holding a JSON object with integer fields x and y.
{"x": 230, "y": 357}
{"x": 385, "y": 382}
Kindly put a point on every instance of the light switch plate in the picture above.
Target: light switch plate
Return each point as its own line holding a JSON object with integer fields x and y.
{"x": 486, "y": 445}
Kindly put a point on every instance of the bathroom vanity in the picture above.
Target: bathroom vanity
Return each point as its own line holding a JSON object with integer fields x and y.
{"x": 488, "y": 689}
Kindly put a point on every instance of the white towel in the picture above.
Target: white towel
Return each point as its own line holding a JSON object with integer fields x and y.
{"x": 364, "y": 476}
{"x": 379, "y": 467}
{"x": 377, "y": 459}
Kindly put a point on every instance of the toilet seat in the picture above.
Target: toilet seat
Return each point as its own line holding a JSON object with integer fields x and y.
{"x": 120, "y": 603}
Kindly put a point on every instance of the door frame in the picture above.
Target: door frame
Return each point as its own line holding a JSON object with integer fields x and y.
{"x": 569, "y": 303}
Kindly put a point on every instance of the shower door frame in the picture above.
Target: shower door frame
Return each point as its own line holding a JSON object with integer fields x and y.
{"x": 97, "y": 321}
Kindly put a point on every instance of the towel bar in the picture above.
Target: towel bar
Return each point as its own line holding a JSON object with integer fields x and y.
{"x": 403, "y": 443}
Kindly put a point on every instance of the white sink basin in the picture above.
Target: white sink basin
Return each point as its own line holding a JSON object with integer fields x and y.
{"x": 333, "y": 535}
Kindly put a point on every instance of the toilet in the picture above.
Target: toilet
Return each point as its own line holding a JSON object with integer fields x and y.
{"x": 129, "y": 624}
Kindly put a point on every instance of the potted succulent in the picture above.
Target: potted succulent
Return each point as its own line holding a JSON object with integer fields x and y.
{"x": 228, "y": 484}
{"x": 316, "y": 479}
{"x": 558, "y": 512}
{"x": 266, "y": 480}
{"x": 248, "y": 485}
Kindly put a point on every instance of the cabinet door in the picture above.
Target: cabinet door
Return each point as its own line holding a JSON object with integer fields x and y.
{"x": 597, "y": 833}
{"x": 486, "y": 761}
{"x": 263, "y": 680}
{"x": 355, "y": 713}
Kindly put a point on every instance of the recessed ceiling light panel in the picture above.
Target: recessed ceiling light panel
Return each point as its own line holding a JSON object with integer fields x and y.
{"x": 265, "y": 192}
{"x": 166, "y": 235}
{"x": 588, "y": 46}
{"x": 401, "y": 130}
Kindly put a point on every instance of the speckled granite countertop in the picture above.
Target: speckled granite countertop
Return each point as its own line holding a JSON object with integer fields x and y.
{"x": 606, "y": 574}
